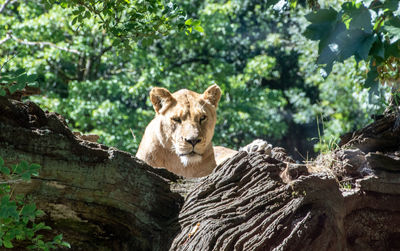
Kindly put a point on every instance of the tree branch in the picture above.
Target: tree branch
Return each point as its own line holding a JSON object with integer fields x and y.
{"x": 45, "y": 44}
{"x": 8, "y": 37}
{"x": 9, "y": 182}
{"x": 30, "y": 43}
{"x": 3, "y": 7}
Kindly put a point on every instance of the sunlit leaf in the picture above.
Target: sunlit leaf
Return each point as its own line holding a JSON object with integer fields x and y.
{"x": 358, "y": 15}
{"x": 189, "y": 21}
{"x": 392, "y": 27}
{"x": 199, "y": 28}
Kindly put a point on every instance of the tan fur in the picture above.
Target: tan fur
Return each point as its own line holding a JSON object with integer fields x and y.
{"x": 179, "y": 137}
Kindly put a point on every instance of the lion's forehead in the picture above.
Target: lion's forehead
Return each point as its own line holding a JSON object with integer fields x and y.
{"x": 190, "y": 106}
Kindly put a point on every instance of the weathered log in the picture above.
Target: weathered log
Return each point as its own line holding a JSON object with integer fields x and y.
{"x": 246, "y": 205}
{"x": 102, "y": 198}
{"x": 382, "y": 135}
{"x": 98, "y": 197}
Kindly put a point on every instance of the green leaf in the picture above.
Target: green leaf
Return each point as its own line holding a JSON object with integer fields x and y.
{"x": 392, "y": 27}
{"x": 26, "y": 176}
{"x": 22, "y": 78}
{"x": 2, "y": 92}
{"x": 363, "y": 50}
{"x": 21, "y": 167}
{"x": 351, "y": 42}
{"x": 116, "y": 42}
{"x": 8, "y": 209}
{"x": 41, "y": 244}
{"x": 196, "y": 23}
{"x": 29, "y": 210}
{"x": 329, "y": 47}
{"x": 29, "y": 233}
{"x": 7, "y": 243}
{"x": 8, "y": 80}
{"x": 189, "y": 21}
{"x": 199, "y": 28}
{"x": 4, "y": 200}
{"x": 19, "y": 71}
{"x": 5, "y": 170}
{"x": 65, "y": 244}
{"x": 322, "y": 16}
{"x": 58, "y": 238}
{"x": 343, "y": 45}
{"x": 391, "y": 5}
{"x": 357, "y": 16}
{"x": 322, "y": 24}
{"x": 1, "y": 161}
{"x": 378, "y": 49}
{"x": 34, "y": 169}
{"x": 40, "y": 226}
{"x": 39, "y": 213}
{"x": 13, "y": 88}
{"x": 21, "y": 85}
{"x": 372, "y": 80}
{"x": 31, "y": 78}
{"x": 74, "y": 20}
{"x": 392, "y": 49}
{"x": 87, "y": 14}
{"x": 293, "y": 4}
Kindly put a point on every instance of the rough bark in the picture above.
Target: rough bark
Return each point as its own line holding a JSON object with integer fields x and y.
{"x": 382, "y": 135}
{"x": 102, "y": 198}
{"x": 245, "y": 205}
{"x": 350, "y": 200}
{"x": 98, "y": 197}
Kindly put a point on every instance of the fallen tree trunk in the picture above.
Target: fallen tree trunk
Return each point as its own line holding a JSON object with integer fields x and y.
{"x": 102, "y": 198}
{"x": 98, "y": 197}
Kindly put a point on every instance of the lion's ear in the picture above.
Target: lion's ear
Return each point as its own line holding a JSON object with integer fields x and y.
{"x": 212, "y": 94}
{"x": 161, "y": 99}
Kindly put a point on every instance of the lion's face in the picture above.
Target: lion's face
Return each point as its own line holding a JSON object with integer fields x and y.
{"x": 188, "y": 118}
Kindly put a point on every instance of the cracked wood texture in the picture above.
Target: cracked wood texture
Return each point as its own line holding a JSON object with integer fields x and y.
{"x": 348, "y": 201}
{"x": 245, "y": 205}
{"x": 101, "y": 198}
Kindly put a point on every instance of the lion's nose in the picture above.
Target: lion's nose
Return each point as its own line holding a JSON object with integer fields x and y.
{"x": 193, "y": 141}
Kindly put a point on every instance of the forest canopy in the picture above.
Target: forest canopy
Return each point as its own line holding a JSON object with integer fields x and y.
{"x": 95, "y": 62}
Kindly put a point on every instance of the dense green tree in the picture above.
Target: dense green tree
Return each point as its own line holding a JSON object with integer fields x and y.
{"x": 99, "y": 79}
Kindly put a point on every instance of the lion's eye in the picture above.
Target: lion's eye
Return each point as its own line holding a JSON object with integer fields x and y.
{"x": 177, "y": 120}
{"x": 202, "y": 118}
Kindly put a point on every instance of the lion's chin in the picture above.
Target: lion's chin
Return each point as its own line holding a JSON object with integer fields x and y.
{"x": 190, "y": 159}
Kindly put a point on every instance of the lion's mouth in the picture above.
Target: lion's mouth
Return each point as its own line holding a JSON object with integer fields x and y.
{"x": 190, "y": 158}
{"x": 192, "y": 153}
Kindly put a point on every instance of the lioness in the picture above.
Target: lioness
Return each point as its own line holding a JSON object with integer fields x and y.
{"x": 179, "y": 136}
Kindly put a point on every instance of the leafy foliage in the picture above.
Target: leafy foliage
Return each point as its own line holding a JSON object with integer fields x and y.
{"x": 368, "y": 30}
{"x": 129, "y": 21}
{"x": 16, "y": 80}
{"x": 257, "y": 55}
{"x": 17, "y": 217}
